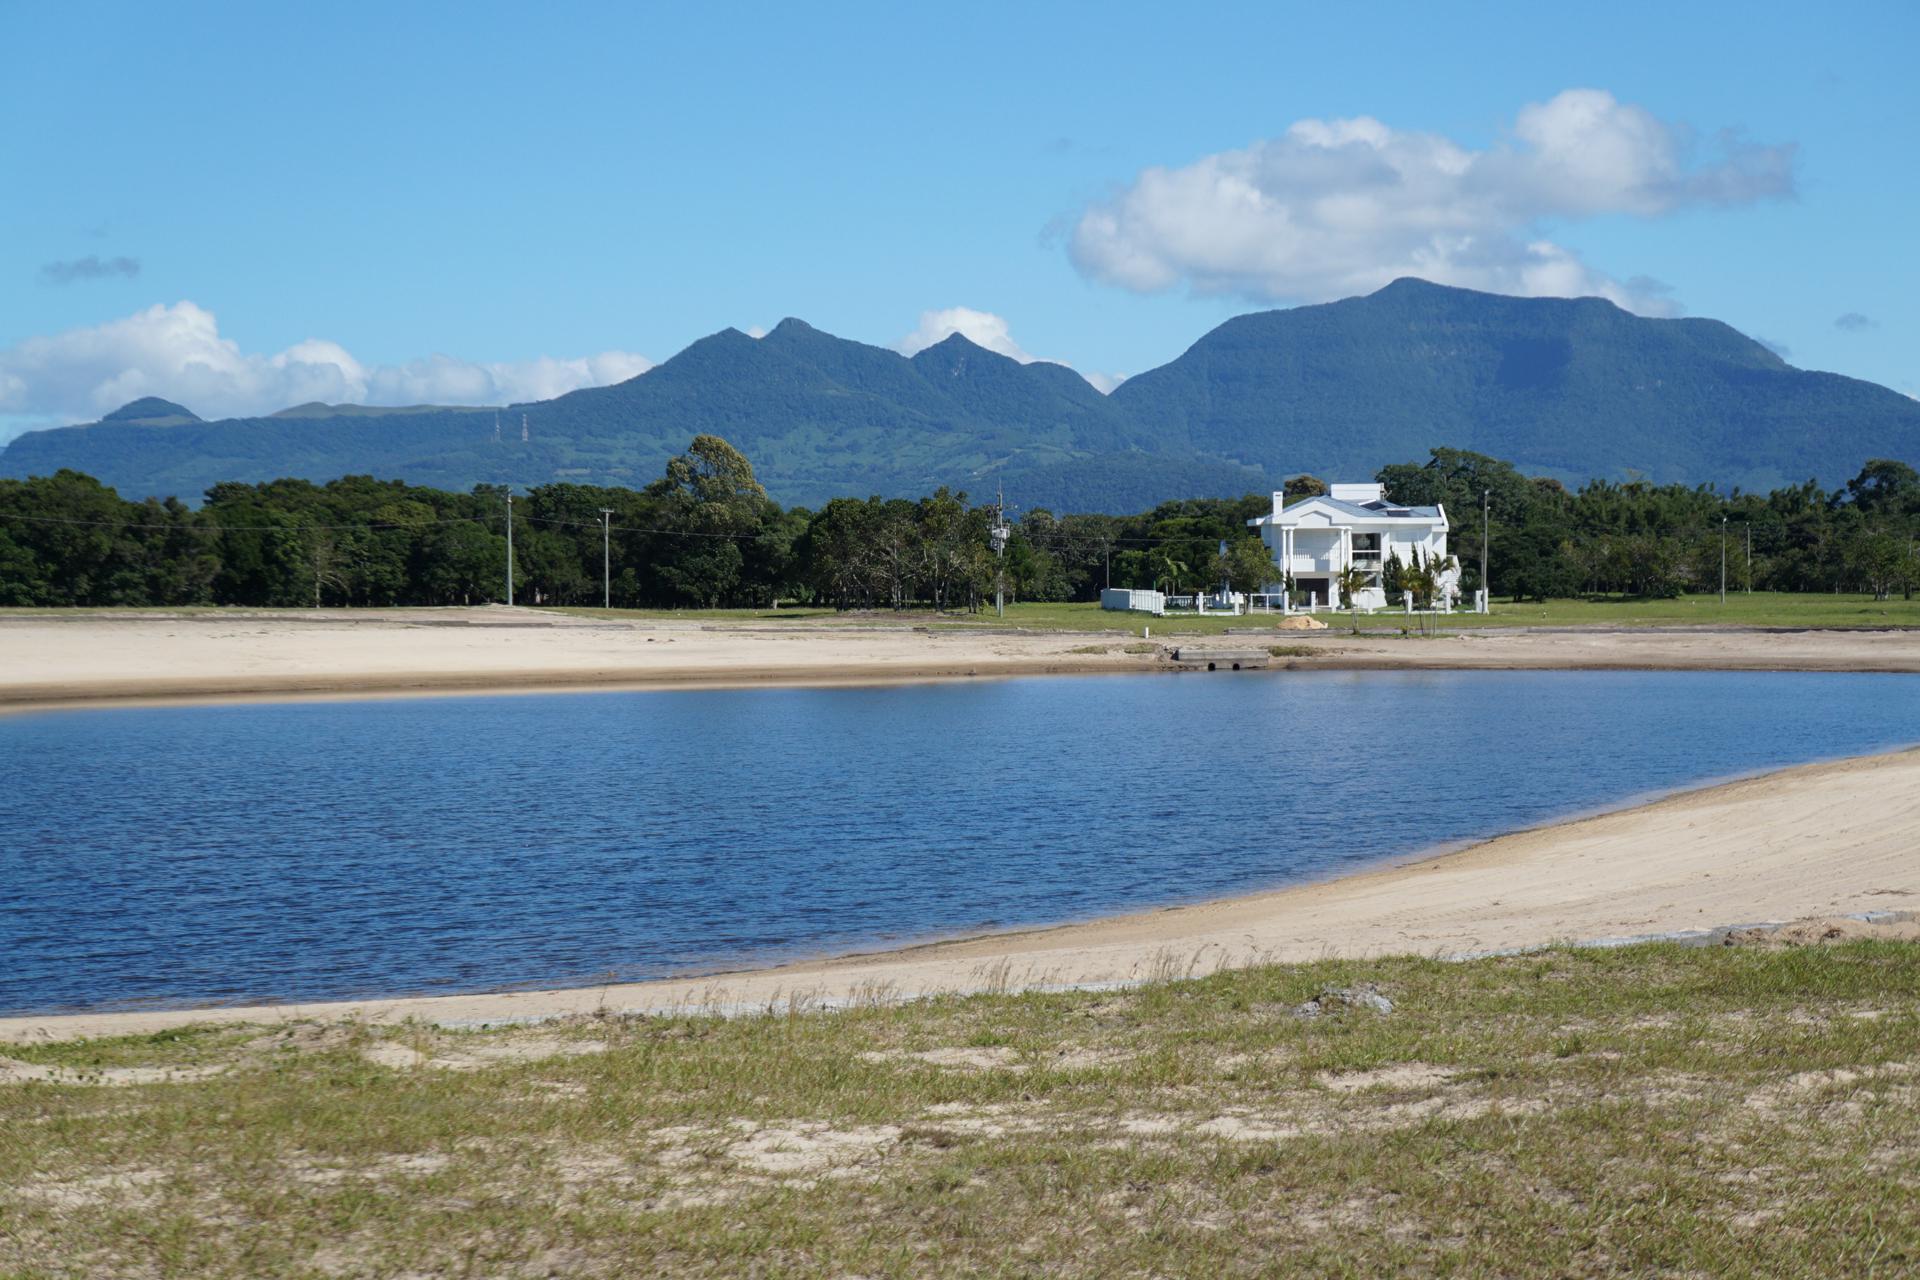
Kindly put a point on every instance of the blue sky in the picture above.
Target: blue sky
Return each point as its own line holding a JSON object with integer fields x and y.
{"x": 239, "y": 205}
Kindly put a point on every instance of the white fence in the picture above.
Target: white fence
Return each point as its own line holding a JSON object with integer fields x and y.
{"x": 1127, "y": 600}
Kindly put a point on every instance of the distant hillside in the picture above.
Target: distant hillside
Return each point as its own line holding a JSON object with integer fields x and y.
{"x": 1574, "y": 388}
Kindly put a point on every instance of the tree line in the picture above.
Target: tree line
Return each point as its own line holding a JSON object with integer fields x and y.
{"x": 705, "y": 535}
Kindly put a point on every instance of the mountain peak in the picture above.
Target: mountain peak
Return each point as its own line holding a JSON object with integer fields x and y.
{"x": 1571, "y": 389}
{"x": 151, "y": 409}
{"x": 956, "y": 341}
{"x": 1416, "y": 289}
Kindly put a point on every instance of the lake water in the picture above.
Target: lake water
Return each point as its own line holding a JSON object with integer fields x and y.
{"x": 303, "y": 851}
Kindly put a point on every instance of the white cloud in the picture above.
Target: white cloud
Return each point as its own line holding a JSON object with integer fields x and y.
{"x": 985, "y": 329}
{"x": 1338, "y": 207}
{"x": 176, "y": 352}
{"x": 982, "y": 328}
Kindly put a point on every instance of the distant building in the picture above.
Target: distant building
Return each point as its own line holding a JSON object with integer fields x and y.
{"x": 1316, "y": 538}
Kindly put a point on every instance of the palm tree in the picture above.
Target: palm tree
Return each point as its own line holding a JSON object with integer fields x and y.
{"x": 1353, "y": 580}
{"x": 1418, "y": 579}
{"x": 1437, "y": 568}
{"x": 1168, "y": 568}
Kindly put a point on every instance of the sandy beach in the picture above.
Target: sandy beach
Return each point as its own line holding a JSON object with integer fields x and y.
{"x": 1829, "y": 839}
{"x": 53, "y": 659}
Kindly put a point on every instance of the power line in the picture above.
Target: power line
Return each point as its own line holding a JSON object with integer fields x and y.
{"x": 304, "y": 527}
{"x": 236, "y": 528}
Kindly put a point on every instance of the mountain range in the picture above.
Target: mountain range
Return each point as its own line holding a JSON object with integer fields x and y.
{"x": 1569, "y": 388}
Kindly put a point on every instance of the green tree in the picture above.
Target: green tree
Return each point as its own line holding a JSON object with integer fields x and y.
{"x": 1351, "y": 581}
{"x": 1170, "y": 569}
{"x": 709, "y": 503}
{"x": 1249, "y": 565}
{"x": 1882, "y": 562}
{"x": 1885, "y": 487}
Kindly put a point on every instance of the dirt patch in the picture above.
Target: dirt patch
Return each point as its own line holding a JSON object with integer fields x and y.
{"x": 811, "y": 1149}
{"x": 471, "y": 1056}
{"x": 1826, "y": 931}
{"x": 1342, "y": 1215}
{"x": 556, "y": 1089}
{"x": 322, "y": 1173}
{"x": 309, "y": 1037}
{"x": 1807, "y": 1084}
{"x": 132, "y": 1188}
{"x": 1406, "y": 1075}
{"x": 1001, "y": 1058}
{"x": 13, "y": 1071}
{"x": 1246, "y": 1124}
{"x": 1076, "y": 1058}
{"x": 796, "y": 1148}
{"x": 398, "y": 1056}
{"x": 998, "y": 1058}
{"x": 1246, "y": 1127}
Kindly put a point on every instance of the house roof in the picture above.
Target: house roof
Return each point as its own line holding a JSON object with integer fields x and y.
{"x": 1369, "y": 512}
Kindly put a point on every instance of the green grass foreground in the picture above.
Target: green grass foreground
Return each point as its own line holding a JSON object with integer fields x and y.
{"x": 1647, "y": 1111}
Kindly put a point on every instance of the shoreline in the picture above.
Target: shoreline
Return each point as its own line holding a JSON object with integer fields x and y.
{"x": 1828, "y": 838}
{"x": 158, "y": 692}
{"x": 49, "y": 663}
{"x": 22, "y": 698}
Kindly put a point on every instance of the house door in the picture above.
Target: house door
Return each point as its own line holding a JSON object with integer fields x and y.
{"x": 1315, "y": 591}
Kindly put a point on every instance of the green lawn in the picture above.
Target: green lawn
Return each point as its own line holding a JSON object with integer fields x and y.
{"x": 1762, "y": 609}
{"x": 1652, "y": 1110}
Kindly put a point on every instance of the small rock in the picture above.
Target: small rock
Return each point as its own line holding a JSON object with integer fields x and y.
{"x": 1336, "y": 998}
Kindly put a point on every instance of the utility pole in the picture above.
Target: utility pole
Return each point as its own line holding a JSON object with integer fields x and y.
{"x": 606, "y": 558}
{"x": 509, "y": 547}
{"x": 1749, "y": 557}
{"x": 1486, "y": 527}
{"x": 1723, "y": 559}
{"x": 998, "y": 535}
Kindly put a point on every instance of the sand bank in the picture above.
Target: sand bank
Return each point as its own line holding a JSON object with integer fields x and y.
{"x": 1823, "y": 839}
{"x": 51, "y": 659}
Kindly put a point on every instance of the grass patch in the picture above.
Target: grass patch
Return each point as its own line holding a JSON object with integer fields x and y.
{"x": 1761, "y": 609}
{"x": 1649, "y": 1110}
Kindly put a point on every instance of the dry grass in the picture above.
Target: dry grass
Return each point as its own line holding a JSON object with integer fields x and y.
{"x": 1648, "y": 1111}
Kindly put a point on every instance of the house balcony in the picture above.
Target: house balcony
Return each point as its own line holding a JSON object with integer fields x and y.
{"x": 1332, "y": 562}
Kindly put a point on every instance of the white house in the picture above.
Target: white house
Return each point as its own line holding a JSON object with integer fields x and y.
{"x": 1313, "y": 540}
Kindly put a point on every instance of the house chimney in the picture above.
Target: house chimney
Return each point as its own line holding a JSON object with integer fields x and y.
{"x": 1279, "y": 501}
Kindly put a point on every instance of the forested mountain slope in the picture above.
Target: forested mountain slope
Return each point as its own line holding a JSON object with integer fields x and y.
{"x": 1574, "y": 388}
